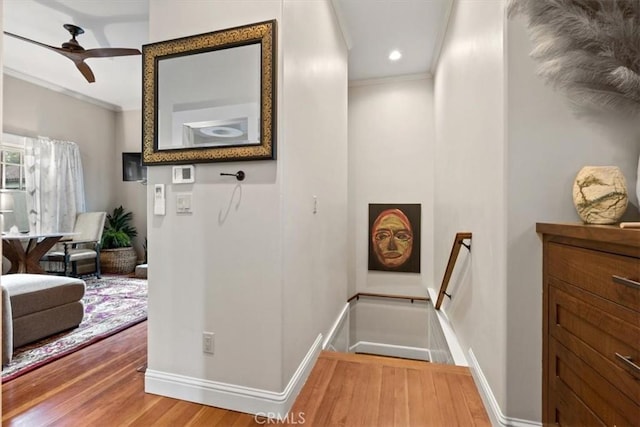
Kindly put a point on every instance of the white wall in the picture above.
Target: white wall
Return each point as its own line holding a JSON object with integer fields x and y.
{"x": 470, "y": 180}
{"x": 392, "y": 322}
{"x": 130, "y": 194}
{"x": 33, "y": 110}
{"x": 498, "y": 172}
{"x": 218, "y": 269}
{"x": 391, "y": 160}
{"x": 313, "y": 152}
{"x": 244, "y": 254}
{"x": 547, "y": 146}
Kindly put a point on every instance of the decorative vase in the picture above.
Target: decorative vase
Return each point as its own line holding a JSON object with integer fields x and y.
{"x": 600, "y": 194}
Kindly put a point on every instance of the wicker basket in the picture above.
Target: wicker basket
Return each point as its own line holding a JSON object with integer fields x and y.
{"x": 118, "y": 260}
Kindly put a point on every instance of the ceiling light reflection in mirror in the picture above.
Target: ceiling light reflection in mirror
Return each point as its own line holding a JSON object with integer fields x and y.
{"x": 217, "y": 133}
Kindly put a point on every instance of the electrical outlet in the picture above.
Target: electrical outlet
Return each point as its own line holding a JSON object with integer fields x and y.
{"x": 207, "y": 342}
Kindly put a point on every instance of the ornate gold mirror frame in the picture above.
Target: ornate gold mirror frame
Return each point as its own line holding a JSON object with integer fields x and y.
{"x": 210, "y": 97}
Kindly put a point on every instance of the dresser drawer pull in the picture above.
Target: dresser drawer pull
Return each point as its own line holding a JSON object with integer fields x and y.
{"x": 628, "y": 363}
{"x": 626, "y": 282}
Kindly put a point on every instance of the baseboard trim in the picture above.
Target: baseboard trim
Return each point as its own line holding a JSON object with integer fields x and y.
{"x": 490, "y": 402}
{"x": 342, "y": 317}
{"x": 234, "y": 397}
{"x": 404, "y": 352}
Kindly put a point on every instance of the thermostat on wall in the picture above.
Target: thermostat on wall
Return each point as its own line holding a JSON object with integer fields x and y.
{"x": 183, "y": 174}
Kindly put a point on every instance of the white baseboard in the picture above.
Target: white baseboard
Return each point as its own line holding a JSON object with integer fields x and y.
{"x": 234, "y": 397}
{"x": 391, "y": 350}
{"x": 342, "y": 317}
{"x": 489, "y": 400}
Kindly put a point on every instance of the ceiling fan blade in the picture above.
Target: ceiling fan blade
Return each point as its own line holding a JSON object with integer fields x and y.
{"x": 109, "y": 51}
{"x": 57, "y": 49}
{"x": 77, "y": 53}
{"x": 86, "y": 71}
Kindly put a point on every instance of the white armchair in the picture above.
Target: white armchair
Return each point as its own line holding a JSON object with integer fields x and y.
{"x": 83, "y": 245}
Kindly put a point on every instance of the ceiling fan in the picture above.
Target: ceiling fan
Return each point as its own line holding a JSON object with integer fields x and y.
{"x": 78, "y": 54}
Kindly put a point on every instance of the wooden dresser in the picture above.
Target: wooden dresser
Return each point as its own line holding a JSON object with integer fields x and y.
{"x": 591, "y": 325}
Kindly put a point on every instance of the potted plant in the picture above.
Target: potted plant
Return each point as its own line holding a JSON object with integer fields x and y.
{"x": 117, "y": 255}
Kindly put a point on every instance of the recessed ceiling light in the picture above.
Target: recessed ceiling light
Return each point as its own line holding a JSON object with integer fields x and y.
{"x": 395, "y": 55}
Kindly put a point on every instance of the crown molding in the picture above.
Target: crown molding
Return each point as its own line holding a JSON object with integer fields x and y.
{"x": 441, "y": 37}
{"x": 56, "y": 88}
{"x": 342, "y": 23}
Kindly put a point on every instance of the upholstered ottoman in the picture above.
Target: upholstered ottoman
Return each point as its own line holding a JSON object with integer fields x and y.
{"x": 35, "y": 306}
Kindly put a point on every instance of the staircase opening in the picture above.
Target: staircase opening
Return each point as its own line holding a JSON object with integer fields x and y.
{"x": 396, "y": 326}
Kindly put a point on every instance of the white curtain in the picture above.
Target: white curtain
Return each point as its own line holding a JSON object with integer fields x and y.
{"x": 55, "y": 185}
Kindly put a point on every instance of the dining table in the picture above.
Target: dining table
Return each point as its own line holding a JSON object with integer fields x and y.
{"x": 24, "y": 250}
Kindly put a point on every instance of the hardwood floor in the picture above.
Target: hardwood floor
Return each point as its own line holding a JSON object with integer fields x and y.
{"x": 360, "y": 390}
{"x": 102, "y": 386}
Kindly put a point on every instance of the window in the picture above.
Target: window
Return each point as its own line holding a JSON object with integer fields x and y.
{"x": 12, "y": 163}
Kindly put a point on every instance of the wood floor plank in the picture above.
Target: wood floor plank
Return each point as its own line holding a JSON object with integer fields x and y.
{"x": 155, "y": 412}
{"x": 363, "y": 410}
{"x": 206, "y": 416}
{"x": 343, "y": 404}
{"x": 474, "y": 402}
{"x": 459, "y": 403}
{"x": 415, "y": 397}
{"x": 62, "y": 400}
{"x": 332, "y": 394}
{"x": 229, "y": 419}
{"x": 400, "y": 398}
{"x": 116, "y": 402}
{"x": 386, "y": 407}
{"x": 310, "y": 398}
{"x": 316, "y": 384}
{"x": 179, "y": 415}
{"x": 445, "y": 399}
{"x": 50, "y": 382}
{"x": 433, "y": 415}
{"x": 51, "y": 405}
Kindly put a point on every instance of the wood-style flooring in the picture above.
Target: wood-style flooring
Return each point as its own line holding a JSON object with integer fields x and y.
{"x": 359, "y": 390}
{"x": 101, "y": 385}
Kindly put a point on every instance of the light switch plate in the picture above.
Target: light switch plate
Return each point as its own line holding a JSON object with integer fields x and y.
{"x": 183, "y": 203}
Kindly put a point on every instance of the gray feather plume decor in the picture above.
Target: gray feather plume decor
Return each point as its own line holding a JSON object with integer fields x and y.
{"x": 590, "y": 49}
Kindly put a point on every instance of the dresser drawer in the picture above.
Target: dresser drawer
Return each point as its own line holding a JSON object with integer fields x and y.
{"x": 596, "y": 336}
{"x": 614, "y": 277}
{"x": 591, "y": 324}
{"x": 569, "y": 410}
{"x": 584, "y": 397}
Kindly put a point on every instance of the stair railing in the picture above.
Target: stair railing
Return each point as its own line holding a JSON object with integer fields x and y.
{"x": 453, "y": 256}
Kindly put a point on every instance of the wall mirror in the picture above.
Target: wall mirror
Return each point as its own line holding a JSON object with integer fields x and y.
{"x": 210, "y": 97}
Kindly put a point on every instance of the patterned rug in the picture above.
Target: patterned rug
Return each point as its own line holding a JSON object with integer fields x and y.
{"x": 112, "y": 304}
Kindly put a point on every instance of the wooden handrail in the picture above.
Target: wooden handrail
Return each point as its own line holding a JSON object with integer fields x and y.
{"x": 406, "y": 297}
{"x": 457, "y": 242}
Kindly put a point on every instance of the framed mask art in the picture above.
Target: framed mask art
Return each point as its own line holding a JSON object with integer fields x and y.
{"x": 394, "y": 237}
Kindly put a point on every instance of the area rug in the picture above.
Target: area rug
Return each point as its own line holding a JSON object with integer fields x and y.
{"x": 112, "y": 304}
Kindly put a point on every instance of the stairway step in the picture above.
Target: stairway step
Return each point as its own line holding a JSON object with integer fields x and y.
{"x": 393, "y": 362}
